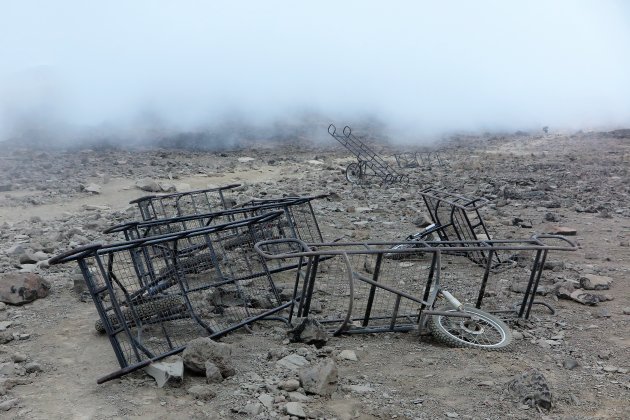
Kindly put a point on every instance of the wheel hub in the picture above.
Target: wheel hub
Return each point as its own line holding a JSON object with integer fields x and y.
{"x": 470, "y": 326}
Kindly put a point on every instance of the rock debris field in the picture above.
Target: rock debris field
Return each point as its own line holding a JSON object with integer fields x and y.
{"x": 574, "y": 364}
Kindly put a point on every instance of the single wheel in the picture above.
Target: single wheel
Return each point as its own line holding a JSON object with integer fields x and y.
{"x": 482, "y": 331}
{"x": 353, "y": 173}
{"x": 162, "y": 306}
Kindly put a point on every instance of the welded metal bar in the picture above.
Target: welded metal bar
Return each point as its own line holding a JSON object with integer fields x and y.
{"x": 484, "y": 281}
{"x": 368, "y": 308}
{"x": 535, "y": 287}
{"x": 392, "y": 324}
{"x": 311, "y": 285}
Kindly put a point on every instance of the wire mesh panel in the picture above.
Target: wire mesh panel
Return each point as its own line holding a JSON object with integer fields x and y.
{"x": 154, "y": 207}
{"x": 299, "y": 212}
{"x": 297, "y": 220}
{"x": 457, "y": 218}
{"x": 356, "y": 288}
{"x": 155, "y": 294}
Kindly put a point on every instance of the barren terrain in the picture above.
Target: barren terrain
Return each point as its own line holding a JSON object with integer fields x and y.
{"x": 580, "y": 181}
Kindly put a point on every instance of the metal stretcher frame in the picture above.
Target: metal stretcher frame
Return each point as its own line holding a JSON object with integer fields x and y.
{"x": 347, "y": 322}
{"x": 457, "y": 218}
{"x": 154, "y": 207}
{"x": 152, "y": 299}
{"x": 369, "y": 163}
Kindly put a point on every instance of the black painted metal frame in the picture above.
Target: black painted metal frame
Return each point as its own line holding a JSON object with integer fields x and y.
{"x": 361, "y": 284}
{"x": 369, "y": 164}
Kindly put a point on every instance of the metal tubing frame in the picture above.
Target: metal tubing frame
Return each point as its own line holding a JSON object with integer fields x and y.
{"x": 366, "y": 157}
{"x": 103, "y": 257}
{"x": 541, "y": 244}
{"x": 148, "y": 210}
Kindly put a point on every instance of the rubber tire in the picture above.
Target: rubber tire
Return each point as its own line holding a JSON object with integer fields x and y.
{"x": 353, "y": 173}
{"x": 144, "y": 310}
{"x": 399, "y": 256}
{"x": 440, "y": 333}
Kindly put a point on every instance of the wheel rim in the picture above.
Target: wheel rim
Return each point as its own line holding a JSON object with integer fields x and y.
{"x": 478, "y": 330}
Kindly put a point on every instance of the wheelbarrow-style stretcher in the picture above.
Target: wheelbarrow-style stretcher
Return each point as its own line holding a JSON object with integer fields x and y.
{"x": 369, "y": 164}
{"x": 154, "y": 294}
{"x": 298, "y": 221}
{"x": 359, "y": 289}
{"x": 154, "y": 207}
{"x": 456, "y": 218}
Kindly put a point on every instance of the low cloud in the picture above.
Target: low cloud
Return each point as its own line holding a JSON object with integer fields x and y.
{"x": 139, "y": 70}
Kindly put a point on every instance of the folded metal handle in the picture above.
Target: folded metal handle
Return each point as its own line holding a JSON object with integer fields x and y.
{"x": 74, "y": 254}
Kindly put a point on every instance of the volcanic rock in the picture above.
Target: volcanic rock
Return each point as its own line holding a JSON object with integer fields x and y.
{"x": 203, "y": 349}
{"x": 320, "y": 379}
{"x": 21, "y": 288}
{"x": 531, "y": 388}
{"x": 309, "y": 331}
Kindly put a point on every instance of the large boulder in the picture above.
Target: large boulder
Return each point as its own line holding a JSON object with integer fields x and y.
{"x": 202, "y": 350}
{"x": 21, "y": 288}
{"x": 531, "y": 388}
{"x": 320, "y": 379}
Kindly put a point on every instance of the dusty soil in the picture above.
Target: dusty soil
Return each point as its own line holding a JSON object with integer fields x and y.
{"x": 583, "y": 179}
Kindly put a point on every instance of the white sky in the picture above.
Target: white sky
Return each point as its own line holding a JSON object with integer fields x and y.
{"x": 425, "y": 66}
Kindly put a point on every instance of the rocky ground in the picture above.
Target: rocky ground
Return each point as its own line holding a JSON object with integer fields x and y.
{"x": 51, "y": 356}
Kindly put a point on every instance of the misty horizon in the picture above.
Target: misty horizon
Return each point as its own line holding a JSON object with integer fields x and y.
{"x": 73, "y": 69}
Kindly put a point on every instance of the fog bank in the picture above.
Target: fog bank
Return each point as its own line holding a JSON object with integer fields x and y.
{"x": 128, "y": 70}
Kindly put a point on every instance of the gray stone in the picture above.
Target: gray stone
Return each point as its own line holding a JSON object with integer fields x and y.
{"x": 594, "y": 282}
{"x": 252, "y": 409}
{"x": 16, "y": 249}
{"x": 5, "y": 337}
{"x": 213, "y": 373}
{"x": 358, "y": 389}
{"x": 33, "y": 367}
{"x": 308, "y": 331}
{"x": 201, "y": 392}
{"x": 348, "y": 355}
{"x": 148, "y": 185}
{"x": 93, "y": 188}
{"x": 8, "y": 404}
{"x": 584, "y": 298}
{"x": 603, "y": 313}
{"x": 292, "y": 362}
{"x": 626, "y": 310}
{"x": 297, "y": 397}
{"x": 169, "y": 370}
{"x": 40, "y": 256}
{"x": 531, "y": 389}
{"x": 203, "y": 349}
{"x": 570, "y": 363}
{"x": 21, "y": 288}
{"x": 27, "y": 258}
{"x": 167, "y": 187}
{"x": 289, "y": 385}
{"x": 320, "y": 379}
{"x": 18, "y": 357}
{"x": 266, "y": 400}
{"x": 295, "y": 409}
